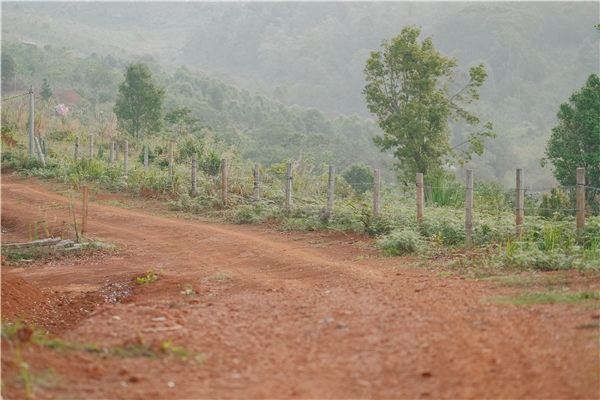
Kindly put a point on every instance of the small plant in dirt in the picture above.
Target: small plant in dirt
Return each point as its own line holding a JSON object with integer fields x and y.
{"x": 186, "y": 289}
{"x": 149, "y": 277}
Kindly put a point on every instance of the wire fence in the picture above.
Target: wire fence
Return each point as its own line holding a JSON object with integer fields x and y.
{"x": 238, "y": 183}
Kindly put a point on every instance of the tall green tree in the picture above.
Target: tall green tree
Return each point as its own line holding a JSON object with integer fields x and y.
{"x": 409, "y": 90}
{"x": 139, "y": 102}
{"x": 575, "y": 141}
{"x": 46, "y": 92}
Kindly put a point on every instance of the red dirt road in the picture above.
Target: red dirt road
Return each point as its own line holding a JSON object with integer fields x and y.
{"x": 313, "y": 315}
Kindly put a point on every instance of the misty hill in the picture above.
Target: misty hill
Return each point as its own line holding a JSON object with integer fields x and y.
{"x": 245, "y": 124}
{"x": 313, "y": 54}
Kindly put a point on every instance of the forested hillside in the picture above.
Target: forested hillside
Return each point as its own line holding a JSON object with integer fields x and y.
{"x": 313, "y": 54}
{"x": 248, "y": 125}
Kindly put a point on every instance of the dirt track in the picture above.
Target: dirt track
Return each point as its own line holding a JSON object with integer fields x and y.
{"x": 281, "y": 315}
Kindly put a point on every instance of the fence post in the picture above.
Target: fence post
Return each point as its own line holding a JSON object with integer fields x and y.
{"x": 112, "y": 151}
{"x": 39, "y": 151}
{"x": 330, "y": 189}
{"x": 224, "y": 182}
{"x": 194, "y": 167}
{"x": 288, "y": 186}
{"x": 76, "y": 153}
{"x": 171, "y": 159}
{"x": 85, "y": 210}
{"x": 125, "y": 156}
{"x": 31, "y": 122}
{"x": 45, "y": 148}
{"x": 116, "y": 152}
{"x": 91, "y": 146}
{"x": 420, "y": 197}
{"x": 519, "y": 202}
{"x": 469, "y": 209}
{"x": 580, "y": 213}
{"x": 376, "y": 187}
{"x": 256, "y": 182}
{"x": 146, "y": 158}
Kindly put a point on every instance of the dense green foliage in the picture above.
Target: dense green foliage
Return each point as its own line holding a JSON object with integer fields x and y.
{"x": 139, "y": 102}
{"x": 575, "y": 141}
{"x": 408, "y": 90}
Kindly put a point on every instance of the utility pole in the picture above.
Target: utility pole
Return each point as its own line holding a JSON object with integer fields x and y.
{"x": 31, "y": 121}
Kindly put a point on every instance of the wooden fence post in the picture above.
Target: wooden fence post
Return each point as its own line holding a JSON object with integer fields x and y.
{"x": 125, "y": 156}
{"x": 519, "y": 202}
{"x": 330, "y": 189}
{"x": 85, "y": 210}
{"x": 469, "y": 209}
{"x": 171, "y": 159}
{"x": 376, "y": 187}
{"x": 91, "y": 146}
{"x": 580, "y": 212}
{"x": 146, "y": 159}
{"x": 194, "y": 168}
{"x": 112, "y": 151}
{"x": 76, "y": 153}
{"x": 420, "y": 197}
{"x": 288, "y": 186}
{"x": 256, "y": 182}
{"x": 224, "y": 182}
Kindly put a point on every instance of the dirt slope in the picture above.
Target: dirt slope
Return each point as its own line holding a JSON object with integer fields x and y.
{"x": 278, "y": 316}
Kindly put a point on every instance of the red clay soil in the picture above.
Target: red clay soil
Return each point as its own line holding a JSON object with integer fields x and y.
{"x": 275, "y": 315}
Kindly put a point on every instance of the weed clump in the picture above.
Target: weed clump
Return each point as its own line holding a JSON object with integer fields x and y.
{"x": 401, "y": 242}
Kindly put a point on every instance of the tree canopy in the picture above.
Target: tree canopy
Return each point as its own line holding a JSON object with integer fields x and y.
{"x": 408, "y": 89}
{"x": 139, "y": 102}
{"x": 575, "y": 141}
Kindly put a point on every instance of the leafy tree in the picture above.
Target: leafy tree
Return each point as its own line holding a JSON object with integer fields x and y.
{"x": 408, "y": 89}
{"x": 46, "y": 91}
{"x": 139, "y": 102}
{"x": 575, "y": 141}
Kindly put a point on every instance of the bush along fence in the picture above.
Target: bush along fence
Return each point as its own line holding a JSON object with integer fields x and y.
{"x": 279, "y": 186}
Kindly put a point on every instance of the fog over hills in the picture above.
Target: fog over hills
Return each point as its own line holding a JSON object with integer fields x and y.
{"x": 313, "y": 54}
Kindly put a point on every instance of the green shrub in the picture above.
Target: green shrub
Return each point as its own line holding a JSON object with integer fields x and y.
{"x": 360, "y": 177}
{"x": 210, "y": 164}
{"x": 401, "y": 242}
{"x": 444, "y": 190}
{"x": 555, "y": 204}
{"x": 449, "y": 226}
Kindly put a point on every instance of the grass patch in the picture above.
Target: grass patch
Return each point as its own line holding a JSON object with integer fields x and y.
{"x": 217, "y": 277}
{"x": 549, "y": 297}
{"x": 530, "y": 280}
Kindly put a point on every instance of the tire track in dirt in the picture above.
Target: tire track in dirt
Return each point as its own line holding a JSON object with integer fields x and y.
{"x": 286, "y": 320}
